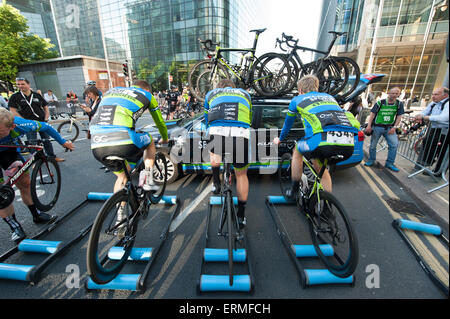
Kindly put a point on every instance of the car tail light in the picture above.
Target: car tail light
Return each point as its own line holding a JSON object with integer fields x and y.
{"x": 360, "y": 136}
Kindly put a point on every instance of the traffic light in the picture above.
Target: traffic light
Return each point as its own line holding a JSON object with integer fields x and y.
{"x": 125, "y": 69}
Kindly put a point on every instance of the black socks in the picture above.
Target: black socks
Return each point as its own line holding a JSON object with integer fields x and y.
{"x": 12, "y": 222}
{"x": 33, "y": 211}
{"x": 241, "y": 209}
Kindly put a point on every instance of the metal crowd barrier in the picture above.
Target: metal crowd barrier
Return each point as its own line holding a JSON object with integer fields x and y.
{"x": 59, "y": 107}
{"x": 427, "y": 149}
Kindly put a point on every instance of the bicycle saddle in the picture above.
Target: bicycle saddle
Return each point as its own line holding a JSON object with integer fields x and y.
{"x": 337, "y": 33}
{"x": 259, "y": 31}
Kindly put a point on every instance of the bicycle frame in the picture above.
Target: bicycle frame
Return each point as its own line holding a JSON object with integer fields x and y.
{"x": 33, "y": 158}
{"x": 227, "y": 188}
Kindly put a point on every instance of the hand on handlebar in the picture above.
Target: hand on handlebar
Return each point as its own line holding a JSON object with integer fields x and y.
{"x": 68, "y": 146}
{"x": 276, "y": 141}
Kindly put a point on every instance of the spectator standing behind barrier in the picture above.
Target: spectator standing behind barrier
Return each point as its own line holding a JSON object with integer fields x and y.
{"x": 32, "y": 106}
{"x": 383, "y": 120}
{"x": 93, "y": 95}
{"x": 436, "y": 141}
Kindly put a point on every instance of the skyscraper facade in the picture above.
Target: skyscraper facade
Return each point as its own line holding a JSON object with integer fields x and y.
{"x": 155, "y": 36}
{"x": 404, "y": 39}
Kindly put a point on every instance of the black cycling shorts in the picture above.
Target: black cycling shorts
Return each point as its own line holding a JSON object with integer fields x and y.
{"x": 8, "y": 157}
{"x": 329, "y": 152}
{"x": 172, "y": 106}
{"x": 235, "y": 147}
{"x": 130, "y": 152}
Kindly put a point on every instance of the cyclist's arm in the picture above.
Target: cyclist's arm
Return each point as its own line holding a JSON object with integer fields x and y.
{"x": 25, "y": 126}
{"x": 289, "y": 121}
{"x": 158, "y": 119}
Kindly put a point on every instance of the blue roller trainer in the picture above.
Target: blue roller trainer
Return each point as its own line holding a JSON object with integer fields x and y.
{"x": 221, "y": 283}
{"x": 14, "y": 272}
{"x": 221, "y": 255}
{"x": 323, "y": 277}
{"x": 427, "y": 228}
{"x": 217, "y": 200}
{"x": 310, "y": 251}
{"x": 38, "y": 246}
{"x": 121, "y": 282}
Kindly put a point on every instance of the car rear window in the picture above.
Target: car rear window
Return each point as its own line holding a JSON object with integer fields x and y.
{"x": 274, "y": 116}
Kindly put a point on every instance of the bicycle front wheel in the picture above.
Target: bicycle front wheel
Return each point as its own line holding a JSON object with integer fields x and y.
{"x": 45, "y": 184}
{"x": 160, "y": 173}
{"x": 69, "y": 130}
{"x": 329, "y": 224}
{"x": 114, "y": 230}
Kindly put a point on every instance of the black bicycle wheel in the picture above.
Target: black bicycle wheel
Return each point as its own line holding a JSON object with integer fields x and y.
{"x": 207, "y": 81}
{"x": 329, "y": 224}
{"x": 160, "y": 177}
{"x": 229, "y": 212}
{"x": 354, "y": 74}
{"x": 273, "y": 75}
{"x": 45, "y": 184}
{"x": 105, "y": 235}
{"x": 68, "y": 130}
{"x": 284, "y": 173}
{"x": 332, "y": 74}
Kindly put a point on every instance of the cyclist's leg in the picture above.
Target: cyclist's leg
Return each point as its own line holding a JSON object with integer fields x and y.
{"x": 215, "y": 155}
{"x": 326, "y": 177}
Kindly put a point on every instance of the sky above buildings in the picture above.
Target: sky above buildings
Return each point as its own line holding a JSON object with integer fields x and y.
{"x": 299, "y": 18}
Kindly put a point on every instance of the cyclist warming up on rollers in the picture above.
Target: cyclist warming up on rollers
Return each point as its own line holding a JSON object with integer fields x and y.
{"x": 113, "y": 131}
{"x": 11, "y": 127}
{"x": 228, "y": 114}
{"x": 329, "y": 131}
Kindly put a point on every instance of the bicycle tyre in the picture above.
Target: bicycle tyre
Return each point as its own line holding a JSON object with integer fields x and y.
{"x": 159, "y": 175}
{"x": 229, "y": 201}
{"x": 344, "y": 265}
{"x": 67, "y": 126}
{"x": 353, "y": 71}
{"x": 195, "y": 72}
{"x": 45, "y": 172}
{"x": 206, "y": 82}
{"x": 272, "y": 64}
{"x": 96, "y": 270}
{"x": 333, "y": 76}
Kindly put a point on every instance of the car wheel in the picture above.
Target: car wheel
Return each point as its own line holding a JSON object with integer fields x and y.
{"x": 173, "y": 170}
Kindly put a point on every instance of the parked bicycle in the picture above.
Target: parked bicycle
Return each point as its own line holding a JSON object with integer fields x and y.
{"x": 328, "y": 220}
{"x": 267, "y": 75}
{"x": 333, "y": 71}
{"x": 45, "y": 178}
{"x": 70, "y": 128}
{"x": 108, "y": 231}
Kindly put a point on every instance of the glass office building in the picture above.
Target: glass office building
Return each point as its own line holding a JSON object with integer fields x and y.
{"x": 155, "y": 36}
{"x": 39, "y": 16}
{"x": 407, "y": 44}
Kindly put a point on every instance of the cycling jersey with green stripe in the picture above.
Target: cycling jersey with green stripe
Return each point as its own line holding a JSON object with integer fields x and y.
{"x": 122, "y": 106}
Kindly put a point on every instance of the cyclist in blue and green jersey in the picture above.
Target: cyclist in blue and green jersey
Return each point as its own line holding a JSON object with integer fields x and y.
{"x": 113, "y": 131}
{"x": 11, "y": 128}
{"x": 228, "y": 115}
{"x": 329, "y": 131}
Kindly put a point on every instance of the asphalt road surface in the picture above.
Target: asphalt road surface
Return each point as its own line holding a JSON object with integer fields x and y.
{"x": 387, "y": 269}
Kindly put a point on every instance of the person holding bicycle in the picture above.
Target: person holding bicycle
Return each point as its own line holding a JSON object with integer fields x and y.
{"x": 228, "y": 115}
{"x": 11, "y": 127}
{"x": 329, "y": 131}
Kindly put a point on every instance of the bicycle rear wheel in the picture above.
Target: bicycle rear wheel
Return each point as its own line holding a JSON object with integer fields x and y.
{"x": 229, "y": 212}
{"x": 272, "y": 74}
{"x": 45, "y": 184}
{"x": 354, "y": 74}
{"x": 329, "y": 224}
{"x": 159, "y": 176}
{"x": 105, "y": 235}
{"x": 69, "y": 130}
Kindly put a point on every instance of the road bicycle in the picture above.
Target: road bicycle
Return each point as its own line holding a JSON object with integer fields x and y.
{"x": 228, "y": 217}
{"x": 326, "y": 216}
{"x": 70, "y": 128}
{"x": 333, "y": 72}
{"x": 45, "y": 178}
{"x": 267, "y": 75}
{"x": 110, "y": 231}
